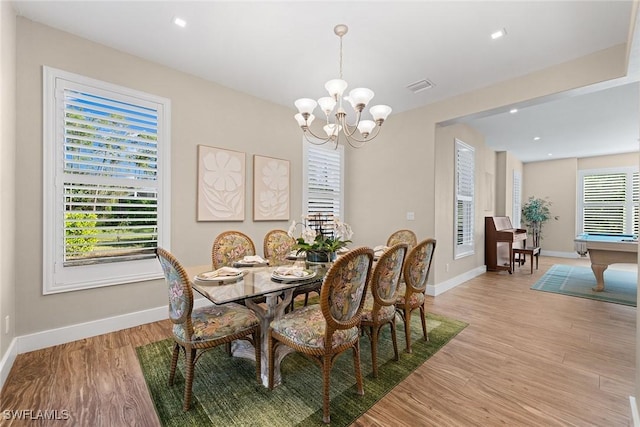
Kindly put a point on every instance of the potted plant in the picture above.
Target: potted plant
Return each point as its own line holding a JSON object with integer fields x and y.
{"x": 321, "y": 237}
{"x": 535, "y": 212}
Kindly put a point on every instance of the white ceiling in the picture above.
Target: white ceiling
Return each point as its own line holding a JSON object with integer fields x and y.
{"x": 281, "y": 51}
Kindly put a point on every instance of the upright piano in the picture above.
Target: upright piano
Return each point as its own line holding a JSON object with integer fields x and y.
{"x": 499, "y": 238}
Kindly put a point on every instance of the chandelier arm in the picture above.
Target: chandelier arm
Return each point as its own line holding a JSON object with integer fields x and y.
{"x": 322, "y": 140}
{"x": 352, "y": 138}
{"x": 355, "y": 142}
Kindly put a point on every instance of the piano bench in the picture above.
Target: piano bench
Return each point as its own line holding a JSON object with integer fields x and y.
{"x": 532, "y": 251}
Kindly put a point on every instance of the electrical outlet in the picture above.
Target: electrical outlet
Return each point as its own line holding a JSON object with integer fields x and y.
{"x": 446, "y": 267}
{"x": 411, "y": 216}
{"x": 6, "y": 324}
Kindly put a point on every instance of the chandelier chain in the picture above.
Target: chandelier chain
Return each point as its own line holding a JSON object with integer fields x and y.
{"x": 341, "y": 57}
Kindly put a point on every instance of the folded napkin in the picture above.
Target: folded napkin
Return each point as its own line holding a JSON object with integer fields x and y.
{"x": 380, "y": 248}
{"x": 253, "y": 259}
{"x": 290, "y": 271}
{"x": 221, "y": 272}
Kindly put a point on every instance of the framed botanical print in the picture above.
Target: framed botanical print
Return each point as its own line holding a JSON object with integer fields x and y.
{"x": 221, "y": 184}
{"x": 271, "y": 189}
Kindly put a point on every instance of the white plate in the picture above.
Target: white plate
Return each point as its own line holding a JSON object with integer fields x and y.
{"x": 308, "y": 274}
{"x": 202, "y": 277}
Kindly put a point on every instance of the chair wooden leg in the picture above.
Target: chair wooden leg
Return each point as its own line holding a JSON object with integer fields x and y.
{"x": 374, "y": 349}
{"x": 174, "y": 363}
{"x": 423, "y": 317}
{"x": 326, "y": 377}
{"x": 190, "y": 354}
{"x": 257, "y": 346}
{"x": 356, "y": 365}
{"x": 394, "y": 339}
{"x": 407, "y": 330}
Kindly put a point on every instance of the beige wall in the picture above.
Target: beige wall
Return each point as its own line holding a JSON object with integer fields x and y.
{"x": 202, "y": 113}
{"x": 542, "y": 179}
{"x": 7, "y": 172}
{"x": 391, "y": 176}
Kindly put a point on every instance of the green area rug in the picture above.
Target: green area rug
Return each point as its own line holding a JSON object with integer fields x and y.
{"x": 620, "y": 287}
{"x": 225, "y": 392}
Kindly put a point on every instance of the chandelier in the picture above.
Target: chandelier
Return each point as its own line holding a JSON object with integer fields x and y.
{"x": 356, "y": 134}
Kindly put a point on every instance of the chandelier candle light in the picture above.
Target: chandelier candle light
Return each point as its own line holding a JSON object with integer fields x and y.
{"x": 358, "y": 98}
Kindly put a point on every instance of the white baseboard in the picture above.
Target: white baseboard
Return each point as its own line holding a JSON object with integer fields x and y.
{"x": 442, "y": 287}
{"x": 635, "y": 417}
{"x": 80, "y": 331}
{"x": 7, "y": 361}
{"x": 559, "y": 254}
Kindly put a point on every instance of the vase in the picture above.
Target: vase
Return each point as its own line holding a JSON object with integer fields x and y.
{"x": 320, "y": 257}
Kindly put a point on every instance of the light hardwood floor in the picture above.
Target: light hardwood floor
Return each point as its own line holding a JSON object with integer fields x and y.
{"x": 527, "y": 358}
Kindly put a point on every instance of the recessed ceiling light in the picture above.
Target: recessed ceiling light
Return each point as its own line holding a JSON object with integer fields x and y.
{"x": 513, "y": 110}
{"x": 179, "y": 22}
{"x": 549, "y": 154}
{"x": 536, "y": 138}
{"x": 498, "y": 34}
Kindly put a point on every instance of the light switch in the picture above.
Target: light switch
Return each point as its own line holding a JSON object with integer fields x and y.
{"x": 411, "y": 216}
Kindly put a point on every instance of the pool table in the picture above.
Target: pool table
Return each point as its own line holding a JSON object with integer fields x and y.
{"x": 607, "y": 249}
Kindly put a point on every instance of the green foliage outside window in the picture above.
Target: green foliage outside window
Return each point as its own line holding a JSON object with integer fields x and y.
{"x": 80, "y": 232}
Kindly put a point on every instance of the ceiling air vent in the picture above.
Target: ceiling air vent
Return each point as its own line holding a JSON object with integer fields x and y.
{"x": 420, "y": 85}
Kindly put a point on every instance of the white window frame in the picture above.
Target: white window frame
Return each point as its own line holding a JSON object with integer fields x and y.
{"x": 56, "y": 276}
{"x": 516, "y": 207}
{"x": 630, "y": 206}
{"x": 465, "y": 248}
{"x": 306, "y": 158}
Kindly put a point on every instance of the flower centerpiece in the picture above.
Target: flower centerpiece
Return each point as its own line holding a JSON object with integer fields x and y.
{"x": 322, "y": 236}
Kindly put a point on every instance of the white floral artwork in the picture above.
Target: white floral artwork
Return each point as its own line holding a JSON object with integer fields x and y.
{"x": 270, "y": 189}
{"x": 221, "y": 184}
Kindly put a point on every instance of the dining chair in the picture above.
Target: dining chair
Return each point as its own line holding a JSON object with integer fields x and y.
{"x": 323, "y": 331}
{"x": 403, "y": 236}
{"x": 195, "y": 331}
{"x": 379, "y": 306}
{"x": 229, "y": 247}
{"x": 277, "y": 244}
{"x": 411, "y": 293}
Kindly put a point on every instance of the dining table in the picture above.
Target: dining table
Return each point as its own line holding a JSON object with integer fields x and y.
{"x": 264, "y": 292}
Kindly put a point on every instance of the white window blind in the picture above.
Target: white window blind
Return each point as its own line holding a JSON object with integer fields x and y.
{"x": 323, "y": 180}
{"x": 106, "y": 183}
{"x": 110, "y": 179}
{"x": 465, "y": 201}
{"x": 517, "y": 199}
{"x": 609, "y": 201}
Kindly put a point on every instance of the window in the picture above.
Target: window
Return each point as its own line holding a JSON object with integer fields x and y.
{"x": 465, "y": 202}
{"x": 608, "y": 200}
{"x": 323, "y": 180}
{"x": 105, "y": 183}
{"x": 517, "y": 199}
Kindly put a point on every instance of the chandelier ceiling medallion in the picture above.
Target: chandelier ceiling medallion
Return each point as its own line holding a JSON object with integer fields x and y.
{"x": 358, "y": 98}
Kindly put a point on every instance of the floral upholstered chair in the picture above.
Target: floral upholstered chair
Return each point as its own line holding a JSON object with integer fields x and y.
{"x": 379, "y": 306}
{"x": 411, "y": 293}
{"x": 277, "y": 245}
{"x": 203, "y": 328}
{"x": 403, "y": 236}
{"x": 229, "y": 247}
{"x": 323, "y": 331}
